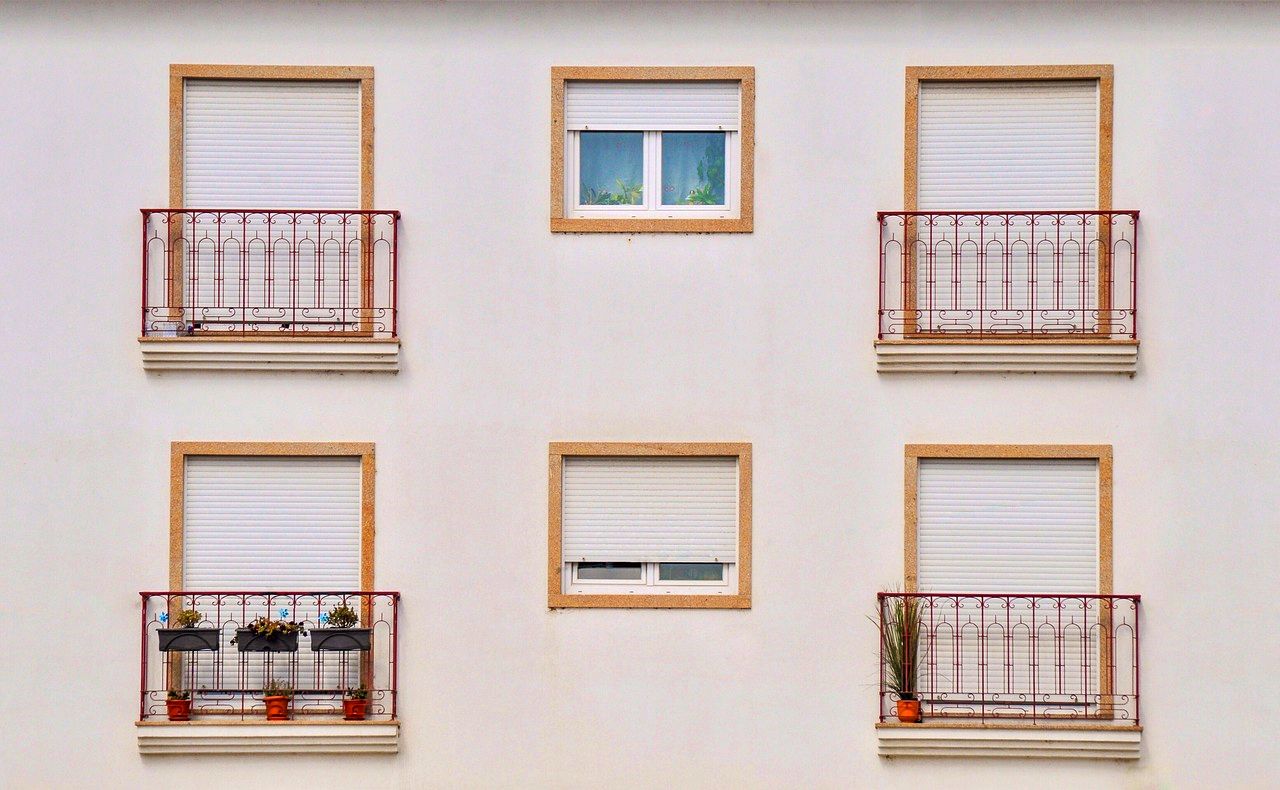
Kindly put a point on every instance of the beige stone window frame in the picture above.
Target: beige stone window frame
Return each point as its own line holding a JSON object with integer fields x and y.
{"x": 177, "y": 490}
{"x": 561, "y": 222}
{"x": 557, "y": 599}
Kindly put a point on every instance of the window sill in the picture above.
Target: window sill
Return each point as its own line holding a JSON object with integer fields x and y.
{"x": 655, "y": 225}
{"x": 1046, "y": 355}
{"x": 340, "y": 354}
{"x": 594, "y": 601}
{"x": 976, "y": 739}
{"x": 260, "y": 737}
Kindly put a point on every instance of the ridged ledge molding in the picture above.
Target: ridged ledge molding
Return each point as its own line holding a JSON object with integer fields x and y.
{"x": 1065, "y": 743}
{"x": 361, "y": 356}
{"x": 292, "y": 737}
{"x": 905, "y": 356}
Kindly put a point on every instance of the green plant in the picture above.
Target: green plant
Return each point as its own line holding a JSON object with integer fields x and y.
{"x": 275, "y": 688}
{"x": 188, "y": 618}
{"x": 343, "y": 617}
{"x": 629, "y": 194}
{"x": 265, "y": 626}
{"x": 176, "y": 694}
{"x": 358, "y": 693}
{"x": 710, "y": 173}
{"x": 900, "y": 643}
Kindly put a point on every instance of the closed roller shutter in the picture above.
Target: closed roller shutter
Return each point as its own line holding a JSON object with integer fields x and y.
{"x": 650, "y": 509}
{"x": 659, "y": 106}
{"x": 275, "y": 144}
{"x": 1008, "y": 146}
{"x": 1009, "y": 526}
{"x": 272, "y": 523}
{"x": 999, "y": 146}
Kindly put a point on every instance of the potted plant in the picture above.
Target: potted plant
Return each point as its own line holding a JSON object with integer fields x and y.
{"x": 276, "y": 696}
{"x": 355, "y": 705}
{"x": 900, "y": 643}
{"x": 264, "y": 635}
{"x": 340, "y": 632}
{"x": 186, "y": 636}
{"x": 178, "y": 705}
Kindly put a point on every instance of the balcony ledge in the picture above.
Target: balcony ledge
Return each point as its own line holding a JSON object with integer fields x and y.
{"x": 1054, "y": 741}
{"x": 337, "y": 354}
{"x": 1048, "y": 355}
{"x": 284, "y": 737}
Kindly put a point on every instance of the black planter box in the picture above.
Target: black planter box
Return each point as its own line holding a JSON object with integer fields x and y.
{"x": 249, "y": 642}
{"x": 340, "y": 638}
{"x": 187, "y": 639}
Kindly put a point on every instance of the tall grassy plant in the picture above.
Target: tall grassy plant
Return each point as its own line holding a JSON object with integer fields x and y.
{"x": 900, "y": 640}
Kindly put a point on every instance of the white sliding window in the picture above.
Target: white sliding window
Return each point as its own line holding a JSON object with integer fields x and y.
{"x": 1016, "y": 527}
{"x": 1008, "y": 147}
{"x": 650, "y": 524}
{"x": 652, "y": 149}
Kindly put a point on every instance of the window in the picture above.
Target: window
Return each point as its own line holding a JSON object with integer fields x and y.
{"x": 656, "y": 525}
{"x": 271, "y": 226}
{"x": 1016, "y": 543}
{"x": 272, "y": 517}
{"x": 1011, "y": 169}
{"x": 652, "y": 149}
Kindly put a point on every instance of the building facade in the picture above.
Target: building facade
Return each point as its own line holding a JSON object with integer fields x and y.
{"x": 634, "y": 394}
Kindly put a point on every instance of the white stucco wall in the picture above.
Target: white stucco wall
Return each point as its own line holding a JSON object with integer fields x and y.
{"x": 514, "y": 337}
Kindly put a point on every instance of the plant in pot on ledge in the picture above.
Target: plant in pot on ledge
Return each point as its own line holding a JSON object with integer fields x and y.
{"x": 264, "y": 635}
{"x": 355, "y": 705}
{"x": 276, "y": 696}
{"x": 900, "y": 643}
{"x": 339, "y": 632}
{"x": 187, "y": 636}
{"x": 178, "y": 705}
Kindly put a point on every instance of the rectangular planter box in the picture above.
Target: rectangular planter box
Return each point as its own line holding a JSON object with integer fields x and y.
{"x": 187, "y": 639}
{"x": 249, "y": 642}
{"x": 340, "y": 638}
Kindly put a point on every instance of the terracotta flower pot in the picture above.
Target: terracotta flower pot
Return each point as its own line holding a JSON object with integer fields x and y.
{"x": 355, "y": 709}
{"x": 909, "y": 711}
{"x": 277, "y": 708}
{"x": 179, "y": 709}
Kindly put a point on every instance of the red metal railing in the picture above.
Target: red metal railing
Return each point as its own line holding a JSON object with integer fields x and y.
{"x": 1024, "y": 274}
{"x": 208, "y": 272}
{"x": 224, "y": 681}
{"x": 1029, "y": 658}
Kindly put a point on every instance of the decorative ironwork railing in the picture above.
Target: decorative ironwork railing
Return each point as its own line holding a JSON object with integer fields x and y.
{"x": 1025, "y": 274}
{"x": 210, "y": 272}
{"x": 225, "y": 678}
{"x": 1030, "y": 658}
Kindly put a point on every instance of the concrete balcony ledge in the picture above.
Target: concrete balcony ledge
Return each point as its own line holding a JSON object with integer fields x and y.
{"x": 260, "y": 737}
{"x": 1049, "y": 355}
{"x": 337, "y": 354}
{"x": 1053, "y": 741}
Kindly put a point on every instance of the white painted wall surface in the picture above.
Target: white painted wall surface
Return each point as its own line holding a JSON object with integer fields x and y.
{"x": 514, "y": 337}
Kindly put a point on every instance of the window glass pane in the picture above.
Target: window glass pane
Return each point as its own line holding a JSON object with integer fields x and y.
{"x": 629, "y": 571}
{"x": 693, "y": 168}
{"x": 690, "y": 571}
{"x": 611, "y": 168}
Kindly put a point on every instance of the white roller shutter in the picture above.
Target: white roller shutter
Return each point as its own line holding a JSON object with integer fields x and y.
{"x": 272, "y": 523}
{"x": 1007, "y": 525}
{"x": 274, "y": 144}
{"x": 659, "y": 106}
{"x": 650, "y": 509}
{"x": 998, "y": 146}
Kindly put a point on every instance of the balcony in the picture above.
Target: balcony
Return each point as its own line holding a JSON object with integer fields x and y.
{"x": 1010, "y": 675}
{"x": 1041, "y": 291}
{"x": 199, "y": 650}
{"x": 269, "y": 290}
